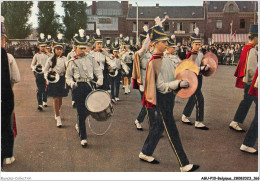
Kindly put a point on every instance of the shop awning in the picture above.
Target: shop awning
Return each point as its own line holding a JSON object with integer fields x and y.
{"x": 227, "y": 38}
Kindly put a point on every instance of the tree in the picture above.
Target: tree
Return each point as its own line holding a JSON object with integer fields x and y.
{"x": 16, "y": 14}
{"x": 75, "y": 17}
{"x": 47, "y": 18}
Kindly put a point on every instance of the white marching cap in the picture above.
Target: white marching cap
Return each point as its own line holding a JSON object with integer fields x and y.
{"x": 145, "y": 27}
{"x": 41, "y": 35}
{"x": 81, "y": 32}
{"x": 196, "y": 31}
{"x": 87, "y": 37}
{"x": 173, "y": 37}
{"x": 116, "y": 42}
{"x": 59, "y": 36}
{"x": 49, "y": 36}
{"x": 108, "y": 41}
{"x": 98, "y": 32}
{"x": 2, "y": 19}
{"x": 127, "y": 38}
{"x": 121, "y": 35}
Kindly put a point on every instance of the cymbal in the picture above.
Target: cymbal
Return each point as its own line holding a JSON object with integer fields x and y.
{"x": 187, "y": 64}
{"x": 212, "y": 60}
{"x": 191, "y": 77}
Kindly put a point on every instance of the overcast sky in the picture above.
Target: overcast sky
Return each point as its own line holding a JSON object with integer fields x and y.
{"x": 33, "y": 19}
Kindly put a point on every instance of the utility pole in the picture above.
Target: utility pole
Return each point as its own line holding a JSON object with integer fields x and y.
{"x": 137, "y": 42}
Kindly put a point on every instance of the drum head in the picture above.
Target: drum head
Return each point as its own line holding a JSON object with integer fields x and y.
{"x": 191, "y": 77}
{"x": 97, "y": 101}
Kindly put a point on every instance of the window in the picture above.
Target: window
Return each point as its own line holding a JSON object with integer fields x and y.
{"x": 179, "y": 26}
{"x": 231, "y": 7}
{"x": 166, "y": 27}
{"x": 192, "y": 26}
{"x": 219, "y": 24}
{"x": 134, "y": 26}
{"x": 146, "y": 23}
{"x": 242, "y": 23}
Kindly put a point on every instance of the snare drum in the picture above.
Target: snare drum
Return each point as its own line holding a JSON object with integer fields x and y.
{"x": 99, "y": 105}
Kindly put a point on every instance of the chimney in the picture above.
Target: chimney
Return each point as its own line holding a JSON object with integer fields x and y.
{"x": 124, "y": 7}
{"x": 94, "y": 7}
{"x": 157, "y": 5}
{"x": 130, "y": 6}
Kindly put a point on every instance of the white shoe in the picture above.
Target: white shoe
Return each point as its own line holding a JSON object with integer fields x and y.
{"x": 200, "y": 125}
{"x": 185, "y": 120}
{"x": 8, "y": 161}
{"x": 234, "y": 125}
{"x": 248, "y": 149}
{"x": 77, "y": 128}
{"x": 84, "y": 143}
{"x": 109, "y": 91}
{"x": 45, "y": 104}
{"x": 148, "y": 159}
{"x": 117, "y": 99}
{"x": 72, "y": 103}
{"x": 138, "y": 125}
{"x": 128, "y": 88}
{"x": 189, "y": 168}
{"x": 113, "y": 100}
{"x": 58, "y": 119}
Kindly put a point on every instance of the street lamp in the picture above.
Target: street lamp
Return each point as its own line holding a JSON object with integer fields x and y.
{"x": 137, "y": 42}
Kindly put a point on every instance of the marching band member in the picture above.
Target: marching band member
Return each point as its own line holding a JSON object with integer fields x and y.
{"x": 141, "y": 59}
{"x": 171, "y": 51}
{"x": 9, "y": 75}
{"x": 57, "y": 65}
{"x": 101, "y": 56}
{"x": 69, "y": 56}
{"x": 48, "y": 46}
{"x": 159, "y": 100}
{"x": 252, "y": 133}
{"x": 80, "y": 72}
{"x": 115, "y": 79}
{"x": 38, "y": 62}
{"x": 128, "y": 57}
{"x": 245, "y": 72}
{"x": 197, "y": 98}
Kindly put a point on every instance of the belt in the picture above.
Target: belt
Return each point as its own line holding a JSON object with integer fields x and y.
{"x": 82, "y": 80}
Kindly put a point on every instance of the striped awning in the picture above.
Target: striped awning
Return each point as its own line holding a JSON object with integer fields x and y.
{"x": 227, "y": 38}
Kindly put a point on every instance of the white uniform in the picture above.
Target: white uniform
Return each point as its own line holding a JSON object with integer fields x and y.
{"x": 14, "y": 70}
{"x": 39, "y": 59}
{"x": 82, "y": 69}
{"x": 60, "y": 66}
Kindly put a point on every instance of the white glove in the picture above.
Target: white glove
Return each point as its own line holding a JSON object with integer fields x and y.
{"x": 184, "y": 84}
{"x": 99, "y": 83}
{"x": 204, "y": 68}
{"x": 174, "y": 84}
{"x": 74, "y": 85}
{"x": 126, "y": 72}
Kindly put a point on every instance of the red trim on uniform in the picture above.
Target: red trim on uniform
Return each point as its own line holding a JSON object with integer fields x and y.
{"x": 254, "y": 91}
{"x": 241, "y": 67}
{"x": 14, "y": 126}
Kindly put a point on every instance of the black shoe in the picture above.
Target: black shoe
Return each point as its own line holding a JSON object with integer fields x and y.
{"x": 203, "y": 128}
{"x": 241, "y": 131}
{"x": 40, "y": 108}
{"x": 195, "y": 167}
{"x": 152, "y": 162}
{"x": 188, "y": 123}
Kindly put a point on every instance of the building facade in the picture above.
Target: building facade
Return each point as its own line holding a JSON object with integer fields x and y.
{"x": 218, "y": 21}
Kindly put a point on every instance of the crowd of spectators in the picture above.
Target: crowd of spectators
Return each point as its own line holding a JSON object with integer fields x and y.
{"x": 228, "y": 54}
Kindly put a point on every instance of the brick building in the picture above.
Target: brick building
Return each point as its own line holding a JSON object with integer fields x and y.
{"x": 213, "y": 18}
{"x": 108, "y": 16}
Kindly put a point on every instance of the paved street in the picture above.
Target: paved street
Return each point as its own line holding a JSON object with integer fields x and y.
{"x": 42, "y": 147}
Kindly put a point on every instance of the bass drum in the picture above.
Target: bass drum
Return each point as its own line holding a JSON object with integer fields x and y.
{"x": 99, "y": 105}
